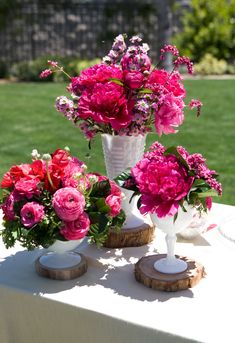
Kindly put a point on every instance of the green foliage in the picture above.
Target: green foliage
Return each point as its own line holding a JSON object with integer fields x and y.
{"x": 30, "y": 70}
{"x": 3, "y": 69}
{"x": 210, "y": 65}
{"x": 208, "y": 27}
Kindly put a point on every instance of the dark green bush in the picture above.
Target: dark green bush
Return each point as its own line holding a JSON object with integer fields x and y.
{"x": 30, "y": 70}
{"x": 3, "y": 69}
{"x": 208, "y": 27}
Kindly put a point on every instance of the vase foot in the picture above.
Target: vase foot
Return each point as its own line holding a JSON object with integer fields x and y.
{"x": 170, "y": 267}
{"x": 48, "y": 265}
{"x": 131, "y": 237}
{"x": 55, "y": 260}
{"x": 146, "y": 274}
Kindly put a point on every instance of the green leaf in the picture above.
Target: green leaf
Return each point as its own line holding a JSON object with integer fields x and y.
{"x": 173, "y": 151}
{"x": 145, "y": 91}
{"x": 101, "y": 189}
{"x": 209, "y": 193}
{"x": 121, "y": 178}
{"x": 117, "y": 81}
{"x": 102, "y": 206}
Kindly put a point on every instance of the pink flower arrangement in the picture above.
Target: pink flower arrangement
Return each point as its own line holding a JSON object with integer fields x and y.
{"x": 169, "y": 178}
{"x": 55, "y": 198}
{"x": 124, "y": 94}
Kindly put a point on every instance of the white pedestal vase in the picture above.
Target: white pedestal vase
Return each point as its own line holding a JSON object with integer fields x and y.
{"x": 170, "y": 264}
{"x": 120, "y": 153}
{"x": 61, "y": 262}
{"x": 166, "y": 272}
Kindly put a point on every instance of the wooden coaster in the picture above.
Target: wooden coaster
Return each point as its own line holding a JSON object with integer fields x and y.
{"x": 134, "y": 237}
{"x": 147, "y": 275}
{"x": 62, "y": 274}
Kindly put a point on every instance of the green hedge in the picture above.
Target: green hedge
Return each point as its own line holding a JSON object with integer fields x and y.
{"x": 30, "y": 70}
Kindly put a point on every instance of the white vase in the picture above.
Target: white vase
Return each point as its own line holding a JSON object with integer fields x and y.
{"x": 170, "y": 264}
{"x": 196, "y": 227}
{"x": 60, "y": 255}
{"x": 120, "y": 153}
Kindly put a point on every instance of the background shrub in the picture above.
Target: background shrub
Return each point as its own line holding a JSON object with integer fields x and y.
{"x": 30, "y": 70}
{"x": 3, "y": 69}
{"x": 211, "y": 65}
{"x": 208, "y": 28}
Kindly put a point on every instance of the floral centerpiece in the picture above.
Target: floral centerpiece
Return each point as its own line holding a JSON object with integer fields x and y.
{"x": 123, "y": 98}
{"x": 55, "y": 198}
{"x": 173, "y": 186}
{"x": 124, "y": 94}
{"x": 167, "y": 179}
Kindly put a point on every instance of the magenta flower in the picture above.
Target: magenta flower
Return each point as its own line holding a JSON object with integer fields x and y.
{"x": 76, "y": 229}
{"x": 163, "y": 82}
{"x": 68, "y": 203}
{"x": 106, "y": 104}
{"x": 31, "y": 213}
{"x": 114, "y": 200}
{"x": 99, "y": 73}
{"x": 45, "y": 73}
{"x": 28, "y": 187}
{"x": 170, "y": 115}
{"x": 133, "y": 79}
{"x": 163, "y": 182}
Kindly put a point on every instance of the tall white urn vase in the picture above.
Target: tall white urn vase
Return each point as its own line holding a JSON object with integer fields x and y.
{"x": 120, "y": 153}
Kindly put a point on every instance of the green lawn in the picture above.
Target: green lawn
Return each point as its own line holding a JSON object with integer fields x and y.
{"x": 29, "y": 120}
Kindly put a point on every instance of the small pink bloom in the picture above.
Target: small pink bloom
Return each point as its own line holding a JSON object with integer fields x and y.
{"x": 133, "y": 79}
{"x": 161, "y": 80}
{"x": 135, "y": 60}
{"x": 68, "y": 203}
{"x": 186, "y": 61}
{"x": 76, "y": 229}
{"x": 53, "y": 64}
{"x": 169, "y": 48}
{"x": 45, "y": 73}
{"x": 31, "y": 214}
{"x": 114, "y": 202}
{"x": 194, "y": 103}
{"x": 28, "y": 187}
{"x": 170, "y": 115}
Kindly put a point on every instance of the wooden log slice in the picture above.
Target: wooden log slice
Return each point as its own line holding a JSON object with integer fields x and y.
{"x": 133, "y": 237}
{"x": 62, "y": 273}
{"x": 148, "y": 276}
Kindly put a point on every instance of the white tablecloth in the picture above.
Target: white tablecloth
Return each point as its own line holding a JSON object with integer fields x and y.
{"x": 107, "y": 305}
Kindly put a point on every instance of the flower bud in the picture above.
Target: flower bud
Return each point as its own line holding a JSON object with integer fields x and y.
{"x": 46, "y": 157}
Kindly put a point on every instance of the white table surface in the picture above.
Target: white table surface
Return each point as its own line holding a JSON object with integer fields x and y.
{"x": 107, "y": 305}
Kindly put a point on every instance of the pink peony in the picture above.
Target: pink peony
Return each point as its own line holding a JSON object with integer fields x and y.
{"x": 76, "y": 229}
{"x": 68, "y": 203}
{"x": 163, "y": 182}
{"x": 28, "y": 187}
{"x": 169, "y": 115}
{"x": 31, "y": 214}
{"x": 99, "y": 73}
{"x": 133, "y": 79}
{"x": 106, "y": 104}
{"x": 170, "y": 83}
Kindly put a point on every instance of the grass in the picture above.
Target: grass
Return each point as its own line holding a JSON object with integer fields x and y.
{"x": 29, "y": 120}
